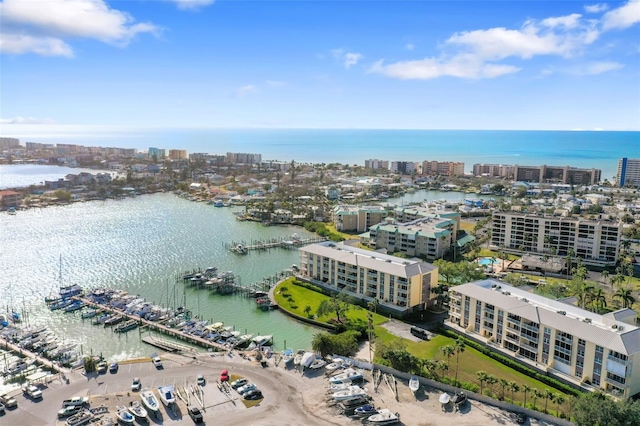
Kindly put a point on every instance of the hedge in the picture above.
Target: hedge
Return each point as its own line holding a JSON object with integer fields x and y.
{"x": 570, "y": 390}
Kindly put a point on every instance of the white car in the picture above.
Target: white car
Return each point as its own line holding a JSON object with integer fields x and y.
{"x": 136, "y": 385}
{"x": 246, "y": 388}
{"x": 200, "y": 380}
{"x": 33, "y": 392}
{"x": 157, "y": 362}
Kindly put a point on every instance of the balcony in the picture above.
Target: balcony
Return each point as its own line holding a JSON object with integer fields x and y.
{"x": 615, "y": 382}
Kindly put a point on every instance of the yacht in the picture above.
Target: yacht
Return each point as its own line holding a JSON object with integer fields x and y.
{"x": 384, "y": 417}
{"x": 149, "y": 400}
{"x": 353, "y": 392}
{"x": 124, "y": 415}
{"x": 167, "y": 395}
{"x": 137, "y": 410}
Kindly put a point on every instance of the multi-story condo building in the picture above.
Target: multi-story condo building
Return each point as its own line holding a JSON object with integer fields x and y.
{"x": 442, "y": 168}
{"x": 408, "y": 214}
{"x": 178, "y": 154}
{"x": 566, "y": 174}
{"x": 403, "y": 167}
{"x": 9, "y": 143}
{"x": 357, "y": 218}
{"x": 628, "y": 172}
{"x": 376, "y": 164}
{"x": 243, "y": 158}
{"x": 596, "y": 242}
{"x": 493, "y": 170}
{"x": 587, "y": 349}
{"x": 157, "y": 153}
{"x": 398, "y": 284}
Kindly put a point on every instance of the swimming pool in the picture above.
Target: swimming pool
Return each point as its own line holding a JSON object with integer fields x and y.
{"x": 485, "y": 261}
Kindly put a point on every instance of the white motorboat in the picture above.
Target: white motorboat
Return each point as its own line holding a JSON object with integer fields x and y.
{"x": 335, "y": 365}
{"x": 349, "y": 375}
{"x": 149, "y": 400}
{"x": 353, "y": 392}
{"x": 83, "y": 417}
{"x": 263, "y": 340}
{"x": 298, "y": 357}
{"x": 123, "y": 415}
{"x": 288, "y": 356}
{"x": 137, "y": 410}
{"x": 339, "y": 386}
{"x": 414, "y": 384}
{"x": 317, "y": 364}
{"x": 167, "y": 395}
{"x": 384, "y": 417}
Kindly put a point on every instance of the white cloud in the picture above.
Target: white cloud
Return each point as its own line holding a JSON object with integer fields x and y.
{"x": 622, "y": 17}
{"x": 476, "y": 54}
{"x": 348, "y": 59}
{"x": 192, "y": 4}
{"x": 42, "y": 27}
{"x": 45, "y": 46}
{"x": 274, "y": 83}
{"x": 409, "y": 46}
{"x": 602, "y": 67}
{"x": 245, "y": 90}
{"x": 596, "y": 8}
{"x": 26, "y": 120}
{"x": 430, "y": 68}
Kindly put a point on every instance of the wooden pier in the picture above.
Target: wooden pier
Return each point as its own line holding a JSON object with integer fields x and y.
{"x": 154, "y": 326}
{"x": 166, "y": 345}
{"x": 282, "y": 242}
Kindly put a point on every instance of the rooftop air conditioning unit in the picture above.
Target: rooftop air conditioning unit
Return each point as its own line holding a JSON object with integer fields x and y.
{"x": 620, "y": 328}
{"x": 614, "y": 326}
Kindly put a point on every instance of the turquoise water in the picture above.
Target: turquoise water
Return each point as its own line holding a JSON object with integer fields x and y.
{"x": 138, "y": 245}
{"x": 484, "y": 261}
{"x": 596, "y": 149}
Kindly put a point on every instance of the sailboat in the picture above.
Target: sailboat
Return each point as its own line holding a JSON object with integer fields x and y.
{"x": 64, "y": 292}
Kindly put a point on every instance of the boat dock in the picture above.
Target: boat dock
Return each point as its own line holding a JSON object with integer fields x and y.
{"x": 54, "y": 366}
{"x": 243, "y": 247}
{"x": 166, "y": 345}
{"x": 154, "y": 326}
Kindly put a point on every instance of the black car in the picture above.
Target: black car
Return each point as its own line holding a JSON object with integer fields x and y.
{"x": 521, "y": 418}
{"x": 113, "y": 368}
{"x": 195, "y": 414}
{"x": 253, "y": 395}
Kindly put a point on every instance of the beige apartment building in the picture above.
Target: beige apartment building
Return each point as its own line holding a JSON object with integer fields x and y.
{"x": 398, "y": 284}
{"x": 590, "y": 350}
{"x": 178, "y": 154}
{"x": 350, "y": 218}
{"x": 442, "y": 168}
{"x": 596, "y": 242}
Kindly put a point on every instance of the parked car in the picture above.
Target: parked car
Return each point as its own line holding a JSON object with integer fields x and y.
{"x": 76, "y": 401}
{"x": 195, "y": 414}
{"x": 157, "y": 362}
{"x": 101, "y": 367}
{"x": 521, "y": 418}
{"x": 246, "y": 388}
{"x": 32, "y": 392}
{"x": 200, "y": 380}
{"x": 224, "y": 376}
{"x": 136, "y": 385}
{"x": 238, "y": 383}
{"x": 69, "y": 411}
{"x": 1, "y": 408}
{"x": 253, "y": 395}
{"x": 113, "y": 368}
{"x": 8, "y": 401}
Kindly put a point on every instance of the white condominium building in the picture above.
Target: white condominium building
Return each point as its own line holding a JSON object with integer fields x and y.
{"x": 398, "y": 284}
{"x": 594, "y": 241}
{"x": 357, "y": 218}
{"x": 628, "y": 172}
{"x": 590, "y": 350}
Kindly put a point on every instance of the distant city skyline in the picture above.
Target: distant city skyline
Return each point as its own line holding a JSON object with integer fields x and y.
{"x": 529, "y": 65}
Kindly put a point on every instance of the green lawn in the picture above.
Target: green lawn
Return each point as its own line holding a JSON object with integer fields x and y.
{"x": 471, "y": 360}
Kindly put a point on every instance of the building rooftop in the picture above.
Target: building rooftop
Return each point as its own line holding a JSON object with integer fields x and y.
{"x": 613, "y": 330}
{"x": 393, "y": 265}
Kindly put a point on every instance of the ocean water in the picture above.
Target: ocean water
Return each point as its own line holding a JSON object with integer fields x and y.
{"x": 589, "y": 149}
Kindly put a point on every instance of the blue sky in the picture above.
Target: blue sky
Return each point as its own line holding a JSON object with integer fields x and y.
{"x": 326, "y": 64}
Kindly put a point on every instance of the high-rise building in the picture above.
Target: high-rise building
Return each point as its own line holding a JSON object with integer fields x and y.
{"x": 178, "y": 154}
{"x": 9, "y": 143}
{"x": 628, "y": 172}
{"x": 442, "y": 168}
{"x": 376, "y": 164}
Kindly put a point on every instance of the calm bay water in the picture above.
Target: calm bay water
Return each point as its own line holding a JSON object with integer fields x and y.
{"x": 138, "y": 245}
{"x": 23, "y": 175}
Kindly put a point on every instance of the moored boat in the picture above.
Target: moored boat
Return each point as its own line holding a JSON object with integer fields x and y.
{"x": 126, "y": 326}
{"x": 89, "y": 313}
{"x": 414, "y": 384}
{"x": 288, "y": 356}
{"x": 83, "y": 417}
{"x": 349, "y": 375}
{"x": 366, "y": 410}
{"x": 353, "y": 392}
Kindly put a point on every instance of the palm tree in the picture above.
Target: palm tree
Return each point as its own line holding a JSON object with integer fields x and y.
{"x": 443, "y": 366}
{"x": 599, "y": 299}
{"x": 429, "y": 365}
{"x": 605, "y": 275}
{"x": 458, "y": 346}
{"x": 513, "y": 387}
{"x": 525, "y": 389}
{"x": 448, "y": 351}
{"x": 491, "y": 380}
{"x": 482, "y": 378}
{"x": 626, "y": 297}
{"x": 547, "y": 395}
{"x": 559, "y": 400}
{"x": 536, "y": 394}
{"x": 503, "y": 383}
